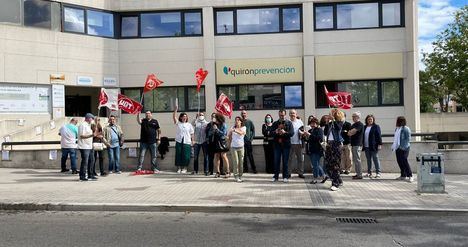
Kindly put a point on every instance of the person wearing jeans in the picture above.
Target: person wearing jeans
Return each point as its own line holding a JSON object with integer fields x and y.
{"x": 372, "y": 145}
{"x": 68, "y": 138}
{"x": 113, "y": 138}
{"x": 401, "y": 146}
{"x": 296, "y": 144}
{"x": 199, "y": 125}
{"x": 314, "y": 148}
{"x": 282, "y": 132}
{"x": 250, "y": 134}
{"x": 149, "y": 138}
{"x": 85, "y": 145}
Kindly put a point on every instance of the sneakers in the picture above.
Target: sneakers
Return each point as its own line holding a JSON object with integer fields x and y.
{"x": 357, "y": 177}
{"x": 369, "y": 175}
{"x": 273, "y": 179}
{"x": 93, "y": 178}
{"x": 83, "y": 179}
{"x": 75, "y": 172}
{"x": 183, "y": 171}
{"x": 110, "y": 172}
{"x": 410, "y": 179}
{"x": 377, "y": 175}
{"x": 324, "y": 179}
{"x": 285, "y": 180}
{"x": 346, "y": 172}
{"x": 400, "y": 178}
{"x": 65, "y": 170}
{"x": 103, "y": 174}
{"x": 239, "y": 180}
{"x": 334, "y": 188}
{"x": 179, "y": 170}
{"x": 156, "y": 171}
{"x": 301, "y": 176}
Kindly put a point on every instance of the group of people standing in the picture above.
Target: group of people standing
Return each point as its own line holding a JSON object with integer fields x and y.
{"x": 332, "y": 143}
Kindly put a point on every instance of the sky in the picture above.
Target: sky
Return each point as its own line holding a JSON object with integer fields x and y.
{"x": 434, "y": 15}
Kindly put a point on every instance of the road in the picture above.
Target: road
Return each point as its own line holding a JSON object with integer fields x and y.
{"x": 223, "y": 229}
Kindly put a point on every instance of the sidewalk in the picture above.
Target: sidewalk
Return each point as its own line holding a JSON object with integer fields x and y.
{"x": 168, "y": 191}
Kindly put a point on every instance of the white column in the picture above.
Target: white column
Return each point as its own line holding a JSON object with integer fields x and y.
{"x": 309, "y": 59}
{"x": 209, "y": 58}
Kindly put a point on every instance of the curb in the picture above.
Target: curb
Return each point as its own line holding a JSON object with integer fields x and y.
{"x": 221, "y": 209}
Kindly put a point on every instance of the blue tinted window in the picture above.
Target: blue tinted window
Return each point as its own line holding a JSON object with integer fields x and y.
{"x": 258, "y": 20}
{"x": 161, "y": 24}
{"x": 73, "y": 20}
{"x": 293, "y": 96}
{"x": 291, "y": 19}
{"x": 324, "y": 17}
{"x": 100, "y": 23}
{"x": 193, "y": 24}
{"x": 129, "y": 26}
{"x": 224, "y": 22}
{"x": 391, "y": 14}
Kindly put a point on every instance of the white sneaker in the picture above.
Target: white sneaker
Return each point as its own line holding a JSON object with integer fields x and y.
{"x": 119, "y": 172}
{"x": 378, "y": 175}
{"x": 179, "y": 170}
{"x": 184, "y": 171}
{"x": 110, "y": 172}
{"x": 369, "y": 175}
{"x": 156, "y": 171}
{"x": 285, "y": 180}
{"x": 410, "y": 179}
{"x": 273, "y": 179}
{"x": 334, "y": 188}
{"x": 238, "y": 180}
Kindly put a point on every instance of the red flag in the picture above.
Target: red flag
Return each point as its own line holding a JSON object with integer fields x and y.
{"x": 224, "y": 105}
{"x": 108, "y": 98}
{"x": 129, "y": 105}
{"x": 200, "y": 76}
{"x": 338, "y": 99}
{"x": 151, "y": 83}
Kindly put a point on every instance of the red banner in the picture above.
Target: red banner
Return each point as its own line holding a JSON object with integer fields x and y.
{"x": 224, "y": 105}
{"x": 339, "y": 99}
{"x": 200, "y": 76}
{"x": 151, "y": 83}
{"x": 129, "y": 105}
{"x": 108, "y": 98}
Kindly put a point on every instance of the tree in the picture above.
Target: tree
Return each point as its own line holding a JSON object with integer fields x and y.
{"x": 447, "y": 64}
{"x": 429, "y": 94}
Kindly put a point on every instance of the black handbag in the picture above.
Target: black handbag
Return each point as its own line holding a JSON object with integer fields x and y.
{"x": 221, "y": 145}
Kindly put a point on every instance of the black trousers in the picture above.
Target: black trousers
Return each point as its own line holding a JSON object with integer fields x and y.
{"x": 101, "y": 161}
{"x": 402, "y": 160}
{"x": 248, "y": 157}
{"x": 269, "y": 157}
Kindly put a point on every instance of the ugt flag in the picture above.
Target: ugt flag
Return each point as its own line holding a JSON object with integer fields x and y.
{"x": 129, "y": 105}
{"x": 200, "y": 76}
{"x": 224, "y": 105}
{"x": 338, "y": 99}
{"x": 108, "y": 98}
{"x": 151, "y": 83}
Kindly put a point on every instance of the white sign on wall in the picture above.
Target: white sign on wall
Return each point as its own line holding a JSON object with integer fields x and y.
{"x": 84, "y": 80}
{"x": 58, "y": 96}
{"x": 24, "y": 98}
{"x": 109, "y": 81}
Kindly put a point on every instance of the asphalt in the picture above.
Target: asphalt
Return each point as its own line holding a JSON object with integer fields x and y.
{"x": 51, "y": 190}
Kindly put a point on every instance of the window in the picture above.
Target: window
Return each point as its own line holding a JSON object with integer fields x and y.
{"x": 264, "y": 96}
{"x": 225, "y": 22}
{"x": 357, "y": 15}
{"x": 372, "y": 14}
{"x": 258, "y": 20}
{"x": 74, "y": 20}
{"x": 292, "y": 19}
{"x": 391, "y": 14}
{"x": 324, "y": 17}
{"x": 129, "y": 26}
{"x": 100, "y": 23}
{"x": 364, "y": 93}
{"x": 161, "y": 24}
{"x": 193, "y": 23}
{"x": 163, "y": 98}
{"x": 10, "y": 11}
{"x": 37, "y": 13}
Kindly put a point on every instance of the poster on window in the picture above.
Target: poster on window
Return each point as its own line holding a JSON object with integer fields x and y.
{"x": 24, "y": 98}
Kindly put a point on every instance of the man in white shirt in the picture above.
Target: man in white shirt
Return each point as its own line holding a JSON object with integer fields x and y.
{"x": 85, "y": 145}
{"x": 68, "y": 138}
{"x": 296, "y": 144}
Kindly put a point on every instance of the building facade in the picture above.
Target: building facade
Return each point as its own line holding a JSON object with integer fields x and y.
{"x": 264, "y": 54}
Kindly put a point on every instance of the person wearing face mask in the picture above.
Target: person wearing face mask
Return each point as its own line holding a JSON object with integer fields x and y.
{"x": 199, "y": 124}
{"x": 267, "y": 131}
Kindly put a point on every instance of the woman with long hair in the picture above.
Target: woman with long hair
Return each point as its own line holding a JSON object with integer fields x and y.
{"x": 97, "y": 129}
{"x": 372, "y": 145}
{"x": 401, "y": 146}
{"x": 217, "y": 134}
{"x": 267, "y": 131}
{"x": 314, "y": 148}
{"x": 184, "y": 141}
{"x": 333, "y": 149}
{"x": 236, "y": 136}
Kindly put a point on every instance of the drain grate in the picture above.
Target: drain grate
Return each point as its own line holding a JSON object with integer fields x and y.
{"x": 356, "y": 220}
